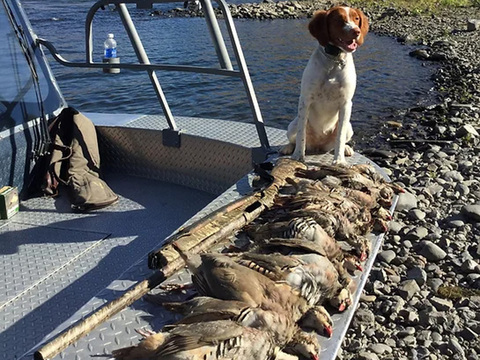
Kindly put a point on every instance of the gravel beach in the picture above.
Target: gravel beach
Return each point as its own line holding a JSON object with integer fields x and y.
{"x": 434, "y": 239}
{"x": 408, "y": 310}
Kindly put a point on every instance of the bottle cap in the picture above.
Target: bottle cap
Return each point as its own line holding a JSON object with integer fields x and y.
{"x": 110, "y": 35}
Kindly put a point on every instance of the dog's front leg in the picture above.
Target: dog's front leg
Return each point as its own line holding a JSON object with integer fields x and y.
{"x": 301, "y": 139}
{"x": 342, "y": 129}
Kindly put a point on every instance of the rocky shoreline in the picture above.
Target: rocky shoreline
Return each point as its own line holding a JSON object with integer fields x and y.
{"x": 408, "y": 310}
{"x": 433, "y": 243}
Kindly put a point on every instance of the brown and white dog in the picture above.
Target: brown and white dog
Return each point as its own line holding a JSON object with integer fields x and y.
{"x": 328, "y": 85}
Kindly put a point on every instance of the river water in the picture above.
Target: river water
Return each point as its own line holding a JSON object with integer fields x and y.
{"x": 276, "y": 52}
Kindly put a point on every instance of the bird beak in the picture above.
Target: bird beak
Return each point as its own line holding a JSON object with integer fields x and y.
{"x": 363, "y": 256}
{"x": 359, "y": 267}
{"x": 314, "y": 357}
{"x": 328, "y": 330}
{"x": 342, "y": 307}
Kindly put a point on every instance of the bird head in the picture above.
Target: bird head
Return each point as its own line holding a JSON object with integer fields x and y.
{"x": 383, "y": 213}
{"x": 380, "y": 225}
{"x": 352, "y": 263}
{"x": 306, "y": 345}
{"x": 318, "y": 319}
{"x": 362, "y": 247}
{"x": 342, "y": 300}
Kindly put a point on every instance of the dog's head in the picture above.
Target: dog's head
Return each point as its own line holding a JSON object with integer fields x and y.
{"x": 341, "y": 26}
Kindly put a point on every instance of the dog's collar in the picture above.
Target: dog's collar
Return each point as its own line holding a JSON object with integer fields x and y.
{"x": 332, "y": 50}
{"x": 335, "y": 54}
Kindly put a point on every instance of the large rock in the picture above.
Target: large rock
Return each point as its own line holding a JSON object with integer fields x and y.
{"x": 453, "y": 175}
{"x": 408, "y": 288}
{"x": 386, "y": 256}
{"x": 470, "y": 266}
{"x": 406, "y": 201}
{"x": 364, "y": 317}
{"x": 472, "y": 212}
{"x": 432, "y": 252}
{"x": 441, "y": 304}
{"x": 380, "y": 349}
{"x": 421, "y": 54}
{"x": 467, "y": 130}
{"x": 417, "y": 274}
{"x": 473, "y": 25}
{"x": 432, "y": 318}
{"x": 467, "y": 334}
{"x": 435, "y": 283}
{"x": 394, "y": 227}
{"x": 434, "y": 189}
{"x": 416, "y": 214}
{"x": 417, "y": 233}
{"x": 456, "y": 348}
{"x": 366, "y": 355}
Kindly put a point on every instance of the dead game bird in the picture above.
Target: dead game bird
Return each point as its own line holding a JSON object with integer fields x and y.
{"x": 205, "y": 308}
{"x": 350, "y": 178}
{"x": 313, "y": 275}
{"x": 298, "y": 246}
{"x": 342, "y": 228}
{"x": 335, "y": 254}
{"x": 219, "y": 276}
{"x": 202, "y": 308}
{"x": 336, "y": 225}
{"x": 213, "y": 340}
{"x": 324, "y": 202}
{"x": 333, "y": 185}
{"x": 305, "y": 228}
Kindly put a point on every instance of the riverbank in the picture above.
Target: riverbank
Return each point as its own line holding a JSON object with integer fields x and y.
{"x": 434, "y": 151}
{"x": 434, "y": 239}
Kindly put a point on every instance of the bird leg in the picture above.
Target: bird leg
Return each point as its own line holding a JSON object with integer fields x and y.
{"x": 176, "y": 287}
{"x": 145, "y": 332}
{"x": 145, "y": 349}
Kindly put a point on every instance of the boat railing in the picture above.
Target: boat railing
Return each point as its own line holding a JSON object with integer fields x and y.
{"x": 225, "y": 69}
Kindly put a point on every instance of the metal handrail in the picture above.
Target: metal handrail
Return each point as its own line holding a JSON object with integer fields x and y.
{"x": 134, "y": 67}
{"x": 145, "y": 65}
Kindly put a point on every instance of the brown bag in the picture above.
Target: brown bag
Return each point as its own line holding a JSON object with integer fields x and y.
{"x": 75, "y": 162}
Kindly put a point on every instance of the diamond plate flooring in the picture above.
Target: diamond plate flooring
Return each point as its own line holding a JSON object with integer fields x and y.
{"x": 57, "y": 265}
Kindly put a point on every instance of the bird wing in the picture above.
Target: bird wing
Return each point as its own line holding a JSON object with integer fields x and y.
{"x": 192, "y": 336}
{"x": 274, "y": 266}
{"x": 295, "y": 245}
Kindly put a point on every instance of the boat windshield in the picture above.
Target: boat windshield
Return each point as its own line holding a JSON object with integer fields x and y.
{"x": 21, "y": 98}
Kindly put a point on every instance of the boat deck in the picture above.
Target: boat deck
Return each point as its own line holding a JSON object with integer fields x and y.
{"x": 58, "y": 266}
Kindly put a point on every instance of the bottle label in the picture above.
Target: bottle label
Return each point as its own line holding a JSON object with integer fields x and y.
{"x": 111, "y": 53}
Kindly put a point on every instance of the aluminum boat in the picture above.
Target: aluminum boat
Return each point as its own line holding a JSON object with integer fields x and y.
{"x": 58, "y": 266}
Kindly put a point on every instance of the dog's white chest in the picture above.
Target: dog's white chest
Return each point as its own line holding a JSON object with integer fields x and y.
{"x": 326, "y": 79}
{"x": 340, "y": 80}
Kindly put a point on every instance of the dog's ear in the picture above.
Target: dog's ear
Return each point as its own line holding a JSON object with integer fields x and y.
{"x": 318, "y": 27}
{"x": 363, "y": 26}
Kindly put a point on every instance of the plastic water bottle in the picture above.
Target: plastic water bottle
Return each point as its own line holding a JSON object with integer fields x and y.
{"x": 110, "y": 46}
{"x": 110, "y": 55}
